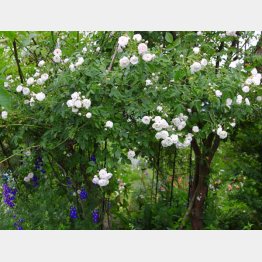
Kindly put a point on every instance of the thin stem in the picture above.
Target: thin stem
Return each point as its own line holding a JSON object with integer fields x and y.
{"x": 173, "y": 177}
{"x": 190, "y": 175}
{"x": 18, "y": 63}
{"x": 157, "y": 170}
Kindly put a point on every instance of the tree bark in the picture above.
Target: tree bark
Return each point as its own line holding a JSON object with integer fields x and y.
{"x": 200, "y": 189}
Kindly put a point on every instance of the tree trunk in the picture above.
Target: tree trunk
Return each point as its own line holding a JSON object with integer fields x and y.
{"x": 200, "y": 190}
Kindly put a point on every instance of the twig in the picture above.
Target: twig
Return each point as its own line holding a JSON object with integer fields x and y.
{"x": 18, "y": 63}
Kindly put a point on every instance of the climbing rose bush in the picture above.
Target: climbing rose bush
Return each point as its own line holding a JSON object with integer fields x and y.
{"x": 88, "y": 102}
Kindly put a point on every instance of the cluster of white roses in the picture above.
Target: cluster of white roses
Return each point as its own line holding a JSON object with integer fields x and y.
{"x": 197, "y": 66}
{"x": 77, "y": 102}
{"x": 142, "y": 50}
{"x": 221, "y": 133}
{"x": 29, "y": 177}
{"x": 163, "y": 128}
{"x": 180, "y": 121}
{"x": 254, "y": 79}
{"x": 27, "y": 92}
{"x": 103, "y": 178}
{"x": 4, "y": 115}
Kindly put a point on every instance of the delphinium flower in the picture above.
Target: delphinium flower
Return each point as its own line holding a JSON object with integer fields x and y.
{"x": 18, "y": 223}
{"x": 93, "y": 158}
{"x": 35, "y": 181}
{"x": 83, "y": 194}
{"x": 39, "y": 165}
{"x": 69, "y": 183}
{"x": 95, "y": 216}
{"x": 9, "y": 195}
{"x": 73, "y": 212}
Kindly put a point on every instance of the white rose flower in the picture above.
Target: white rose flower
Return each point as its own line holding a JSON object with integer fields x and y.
{"x": 124, "y": 62}
{"x": 75, "y": 110}
{"x": 245, "y": 89}
{"x": 142, "y": 48}
{"x": 259, "y": 98}
{"x": 229, "y": 102}
{"x": 37, "y": 74}
{"x": 30, "y": 175}
{"x": 44, "y": 77}
{"x": 195, "y": 129}
{"x": 79, "y": 62}
{"x": 247, "y": 101}
{"x": 88, "y": 115}
{"x": 159, "y": 108}
{"x": 148, "y": 82}
{"x": 218, "y": 93}
{"x": 86, "y": 103}
{"x": 134, "y": 60}
{"x": 27, "y": 179}
{"x": 26, "y": 91}
{"x": 95, "y": 180}
{"x": 182, "y": 125}
{"x": 103, "y": 182}
{"x": 196, "y": 66}
{"x": 146, "y": 120}
{"x": 40, "y": 81}
{"x": 176, "y": 121}
{"x": 41, "y": 63}
{"x": 157, "y": 126}
{"x": 78, "y": 104}
{"x": 40, "y": 96}
{"x": 57, "y": 52}
{"x": 109, "y": 124}
{"x": 157, "y": 119}
{"x": 256, "y": 79}
{"x": 174, "y": 138}
{"x": 203, "y": 62}
{"x": 70, "y": 103}
{"x": 222, "y": 134}
{"x": 196, "y": 50}
{"x": 249, "y": 81}
{"x": 123, "y": 41}
{"x": 147, "y": 57}
{"x": 57, "y": 59}
{"x": 30, "y": 81}
{"x": 19, "y": 89}
{"x": 239, "y": 99}
{"x": 72, "y": 67}
{"x": 167, "y": 142}
{"x": 131, "y": 154}
{"x": 4, "y": 115}
{"x": 164, "y": 134}
{"x": 137, "y": 37}
{"x": 254, "y": 71}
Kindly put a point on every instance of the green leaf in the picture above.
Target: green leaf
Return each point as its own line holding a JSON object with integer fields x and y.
{"x": 5, "y": 98}
{"x": 169, "y": 37}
